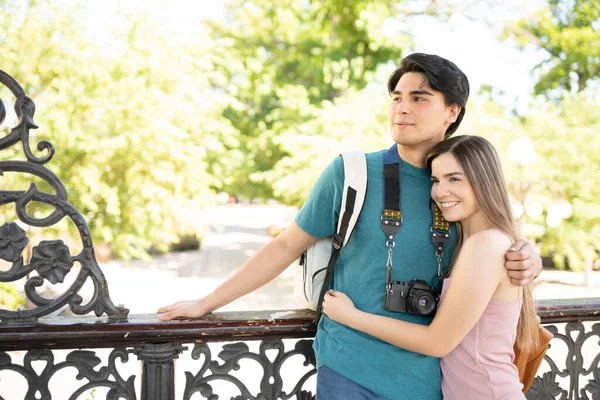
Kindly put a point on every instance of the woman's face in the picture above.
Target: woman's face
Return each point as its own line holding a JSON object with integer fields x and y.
{"x": 450, "y": 189}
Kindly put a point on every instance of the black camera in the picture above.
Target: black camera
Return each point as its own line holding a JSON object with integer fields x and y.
{"x": 414, "y": 297}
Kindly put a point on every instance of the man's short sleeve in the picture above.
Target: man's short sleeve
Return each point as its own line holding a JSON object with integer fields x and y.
{"x": 319, "y": 215}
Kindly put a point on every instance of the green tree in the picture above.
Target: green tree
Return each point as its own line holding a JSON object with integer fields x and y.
{"x": 355, "y": 121}
{"x": 10, "y": 298}
{"x": 281, "y": 61}
{"x": 568, "y": 156}
{"x": 128, "y": 123}
{"x": 568, "y": 32}
{"x": 555, "y": 183}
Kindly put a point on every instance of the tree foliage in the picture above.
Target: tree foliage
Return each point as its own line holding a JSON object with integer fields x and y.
{"x": 127, "y": 130}
{"x": 561, "y": 177}
{"x": 568, "y": 156}
{"x": 355, "y": 121}
{"x": 147, "y": 124}
{"x": 555, "y": 182}
{"x": 568, "y": 31}
{"x": 280, "y": 62}
{"x": 10, "y": 298}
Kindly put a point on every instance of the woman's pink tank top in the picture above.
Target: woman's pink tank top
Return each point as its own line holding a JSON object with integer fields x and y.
{"x": 481, "y": 366}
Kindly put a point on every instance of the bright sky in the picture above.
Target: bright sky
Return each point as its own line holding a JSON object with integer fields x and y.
{"x": 473, "y": 46}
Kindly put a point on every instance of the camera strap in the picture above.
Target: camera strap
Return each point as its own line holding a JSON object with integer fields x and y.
{"x": 440, "y": 236}
{"x": 391, "y": 219}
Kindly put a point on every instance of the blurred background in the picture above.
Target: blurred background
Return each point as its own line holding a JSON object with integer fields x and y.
{"x": 164, "y": 111}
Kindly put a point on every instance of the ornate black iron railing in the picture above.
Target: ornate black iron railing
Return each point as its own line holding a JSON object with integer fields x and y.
{"x": 158, "y": 344}
{"x": 51, "y": 259}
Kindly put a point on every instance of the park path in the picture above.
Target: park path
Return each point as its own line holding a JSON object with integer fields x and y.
{"x": 233, "y": 234}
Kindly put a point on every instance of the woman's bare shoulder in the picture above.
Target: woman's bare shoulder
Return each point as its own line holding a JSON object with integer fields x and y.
{"x": 489, "y": 242}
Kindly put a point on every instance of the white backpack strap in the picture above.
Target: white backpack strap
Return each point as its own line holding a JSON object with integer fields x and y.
{"x": 355, "y": 186}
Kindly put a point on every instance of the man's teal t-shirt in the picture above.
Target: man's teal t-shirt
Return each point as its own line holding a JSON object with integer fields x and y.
{"x": 360, "y": 272}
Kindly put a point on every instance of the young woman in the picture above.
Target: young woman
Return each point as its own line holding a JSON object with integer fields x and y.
{"x": 481, "y": 313}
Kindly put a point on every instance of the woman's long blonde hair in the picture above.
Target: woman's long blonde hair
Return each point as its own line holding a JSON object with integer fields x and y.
{"x": 483, "y": 171}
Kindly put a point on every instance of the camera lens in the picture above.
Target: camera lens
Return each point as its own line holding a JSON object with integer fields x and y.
{"x": 423, "y": 303}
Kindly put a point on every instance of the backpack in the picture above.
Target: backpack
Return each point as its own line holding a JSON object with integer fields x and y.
{"x": 315, "y": 268}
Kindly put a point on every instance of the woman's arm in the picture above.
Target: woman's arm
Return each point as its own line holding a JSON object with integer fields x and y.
{"x": 476, "y": 276}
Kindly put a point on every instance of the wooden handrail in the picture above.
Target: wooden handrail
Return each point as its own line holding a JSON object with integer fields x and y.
{"x": 136, "y": 330}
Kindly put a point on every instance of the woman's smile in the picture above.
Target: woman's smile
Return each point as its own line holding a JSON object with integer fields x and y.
{"x": 447, "y": 205}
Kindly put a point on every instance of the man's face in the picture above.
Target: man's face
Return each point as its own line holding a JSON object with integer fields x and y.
{"x": 419, "y": 116}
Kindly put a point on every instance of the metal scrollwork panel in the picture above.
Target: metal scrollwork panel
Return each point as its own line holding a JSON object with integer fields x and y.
{"x": 272, "y": 377}
{"x": 580, "y": 365}
{"x": 51, "y": 259}
{"x": 84, "y": 361}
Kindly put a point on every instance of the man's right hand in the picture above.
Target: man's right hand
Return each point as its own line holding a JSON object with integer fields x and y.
{"x": 186, "y": 309}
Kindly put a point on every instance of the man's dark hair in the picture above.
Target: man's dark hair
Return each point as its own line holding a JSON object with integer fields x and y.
{"x": 443, "y": 75}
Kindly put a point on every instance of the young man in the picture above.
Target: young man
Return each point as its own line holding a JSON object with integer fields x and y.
{"x": 429, "y": 95}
